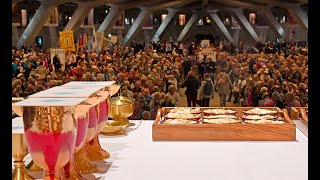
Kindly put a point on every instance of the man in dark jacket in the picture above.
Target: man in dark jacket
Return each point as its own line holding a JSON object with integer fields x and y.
{"x": 56, "y": 62}
{"x": 186, "y": 65}
{"x": 192, "y": 84}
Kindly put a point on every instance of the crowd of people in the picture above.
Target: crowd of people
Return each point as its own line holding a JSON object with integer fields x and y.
{"x": 160, "y": 74}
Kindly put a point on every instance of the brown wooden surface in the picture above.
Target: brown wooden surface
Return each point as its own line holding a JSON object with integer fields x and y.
{"x": 225, "y": 132}
{"x": 304, "y": 116}
{"x": 295, "y": 112}
{"x": 299, "y": 113}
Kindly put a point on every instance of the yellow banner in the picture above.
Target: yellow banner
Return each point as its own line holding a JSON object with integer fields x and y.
{"x": 66, "y": 40}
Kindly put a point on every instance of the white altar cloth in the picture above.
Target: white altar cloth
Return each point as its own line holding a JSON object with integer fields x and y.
{"x": 134, "y": 156}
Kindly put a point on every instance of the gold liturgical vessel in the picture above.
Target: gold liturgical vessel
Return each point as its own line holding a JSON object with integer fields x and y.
{"x": 93, "y": 147}
{"x": 120, "y": 109}
{"x": 50, "y": 127}
{"x": 19, "y": 151}
{"x": 31, "y": 166}
{"x": 82, "y": 163}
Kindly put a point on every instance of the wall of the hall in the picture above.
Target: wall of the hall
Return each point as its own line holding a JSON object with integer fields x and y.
{"x": 171, "y": 31}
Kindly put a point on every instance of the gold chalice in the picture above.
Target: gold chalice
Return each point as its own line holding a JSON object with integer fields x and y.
{"x": 82, "y": 163}
{"x": 50, "y": 126}
{"x": 31, "y": 166}
{"x": 69, "y": 171}
{"x": 120, "y": 109}
{"x": 94, "y": 149}
{"x": 19, "y": 151}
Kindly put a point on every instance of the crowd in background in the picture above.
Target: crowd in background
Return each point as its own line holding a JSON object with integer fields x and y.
{"x": 160, "y": 74}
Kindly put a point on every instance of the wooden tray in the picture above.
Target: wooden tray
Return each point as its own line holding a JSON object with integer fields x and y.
{"x": 299, "y": 113}
{"x": 224, "y": 132}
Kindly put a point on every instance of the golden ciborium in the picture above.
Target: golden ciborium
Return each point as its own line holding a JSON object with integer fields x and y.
{"x": 50, "y": 126}
{"x": 120, "y": 109}
{"x": 19, "y": 150}
{"x": 94, "y": 149}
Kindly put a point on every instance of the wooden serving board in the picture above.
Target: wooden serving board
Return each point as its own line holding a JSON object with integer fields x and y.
{"x": 224, "y": 132}
{"x": 295, "y": 113}
{"x": 299, "y": 113}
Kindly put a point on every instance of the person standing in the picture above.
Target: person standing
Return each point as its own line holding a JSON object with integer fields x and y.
{"x": 206, "y": 91}
{"x": 202, "y": 67}
{"x": 56, "y": 62}
{"x": 192, "y": 84}
{"x": 186, "y": 65}
{"x": 211, "y": 68}
{"x": 224, "y": 84}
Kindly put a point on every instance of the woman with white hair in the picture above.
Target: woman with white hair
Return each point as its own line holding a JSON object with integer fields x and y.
{"x": 174, "y": 95}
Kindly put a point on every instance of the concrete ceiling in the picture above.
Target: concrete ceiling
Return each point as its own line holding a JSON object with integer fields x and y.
{"x": 190, "y": 4}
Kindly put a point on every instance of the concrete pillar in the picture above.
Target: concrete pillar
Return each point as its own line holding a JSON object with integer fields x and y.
{"x": 13, "y": 5}
{"x": 36, "y": 24}
{"x": 15, "y": 34}
{"x": 91, "y": 17}
{"x": 54, "y": 36}
{"x": 300, "y": 16}
{"x": 110, "y": 20}
{"x": 263, "y": 30}
{"x": 147, "y": 35}
{"x": 164, "y": 24}
{"x": 136, "y": 26}
{"x": 244, "y": 21}
{"x": 77, "y": 18}
{"x": 274, "y": 24}
{"x": 221, "y": 26}
{"x": 188, "y": 26}
{"x": 120, "y": 36}
{"x": 236, "y": 35}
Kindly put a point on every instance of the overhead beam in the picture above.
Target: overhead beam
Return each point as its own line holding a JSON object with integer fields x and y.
{"x": 243, "y": 20}
{"x": 110, "y": 19}
{"x": 300, "y": 16}
{"x": 93, "y": 3}
{"x": 221, "y": 26}
{"x": 164, "y": 24}
{"x": 55, "y": 2}
{"x": 115, "y": 13}
{"x": 277, "y": 3}
{"x": 240, "y": 4}
{"x": 136, "y": 26}
{"x": 78, "y": 17}
{"x": 274, "y": 24}
{"x": 145, "y": 14}
{"x": 36, "y": 24}
{"x": 14, "y": 4}
{"x": 188, "y": 26}
{"x": 82, "y": 12}
{"x": 170, "y": 4}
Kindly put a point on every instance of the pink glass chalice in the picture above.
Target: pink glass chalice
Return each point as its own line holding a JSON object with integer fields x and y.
{"x": 83, "y": 164}
{"x": 94, "y": 150}
{"x": 50, "y": 126}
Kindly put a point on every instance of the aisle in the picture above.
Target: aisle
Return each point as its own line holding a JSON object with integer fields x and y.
{"x": 215, "y": 102}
